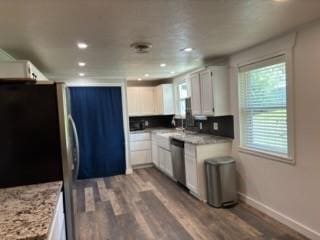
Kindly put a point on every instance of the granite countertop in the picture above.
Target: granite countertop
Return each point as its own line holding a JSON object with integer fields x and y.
{"x": 26, "y": 212}
{"x": 200, "y": 139}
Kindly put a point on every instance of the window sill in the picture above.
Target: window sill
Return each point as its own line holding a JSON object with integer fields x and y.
{"x": 267, "y": 155}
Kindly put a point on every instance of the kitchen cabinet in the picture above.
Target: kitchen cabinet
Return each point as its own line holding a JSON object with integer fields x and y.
{"x": 20, "y": 69}
{"x": 161, "y": 154}
{"x": 140, "y": 101}
{"x": 195, "y": 94}
{"x": 154, "y": 154}
{"x": 206, "y": 90}
{"x": 146, "y": 100}
{"x": 164, "y": 100}
{"x": 210, "y": 92}
{"x": 157, "y": 100}
{"x": 191, "y": 167}
{"x": 195, "y": 155}
{"x": 133, "y": 104}
{"x": 57, "y": 230}
{"x": 165, "y": 161}
{"x": 140, "y": 149}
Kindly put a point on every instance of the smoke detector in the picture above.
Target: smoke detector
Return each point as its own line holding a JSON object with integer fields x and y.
{"x": 141, "y": 47}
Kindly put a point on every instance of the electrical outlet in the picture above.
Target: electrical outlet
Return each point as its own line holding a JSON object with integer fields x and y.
{"x": 200, "y": 125}
{"x": 146, "y": 123}
{"x": 215, "y": 126}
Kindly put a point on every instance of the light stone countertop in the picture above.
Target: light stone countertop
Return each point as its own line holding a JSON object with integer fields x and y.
{"x": 187, "y": 136}
{"x": 26, "y": 212}
{"x": 201, "y": 139}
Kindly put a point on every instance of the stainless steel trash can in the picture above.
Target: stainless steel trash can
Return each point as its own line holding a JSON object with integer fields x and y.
{"x": 221, "y": 181}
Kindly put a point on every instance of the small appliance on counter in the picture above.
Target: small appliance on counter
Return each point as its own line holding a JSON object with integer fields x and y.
{"x": 137, "y": 125}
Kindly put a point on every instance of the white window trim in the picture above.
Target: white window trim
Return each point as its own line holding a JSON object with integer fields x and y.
{"x": 290, "y": 158}
{"x": 184, "y": 79}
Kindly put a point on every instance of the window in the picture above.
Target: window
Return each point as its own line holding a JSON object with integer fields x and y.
{"x": 263, "y": 106}
{"x": 182, "y": 93}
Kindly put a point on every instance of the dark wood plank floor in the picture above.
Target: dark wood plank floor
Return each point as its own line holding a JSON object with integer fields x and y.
{"x": 148, "y": 205}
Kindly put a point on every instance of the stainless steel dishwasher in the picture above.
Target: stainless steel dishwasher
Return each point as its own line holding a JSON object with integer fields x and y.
{"x": 177, "y": 154}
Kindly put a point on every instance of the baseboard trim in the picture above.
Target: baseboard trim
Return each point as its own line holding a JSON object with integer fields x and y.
{"x": 299, "y": 227}
{"x": 144, "y": 165}
{"x": 129, "y": 171}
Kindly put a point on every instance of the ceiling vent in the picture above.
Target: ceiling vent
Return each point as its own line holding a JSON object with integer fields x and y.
{"x": 141, "y": 47}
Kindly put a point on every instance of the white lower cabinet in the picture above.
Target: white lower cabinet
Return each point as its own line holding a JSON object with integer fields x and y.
{"x": 155, "y": 158}
{"x": 140, "y": 157}
{"x": 161, "y": 154}
{"x": 140, "y": 149}
{"x": 165, "y": 161}
{"x": 191, "y": 167}
{"x": 58, "y": 229}
{"x": 195, "y": 156}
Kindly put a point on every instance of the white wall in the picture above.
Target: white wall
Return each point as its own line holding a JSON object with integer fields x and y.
{"x": 290, "y": 193}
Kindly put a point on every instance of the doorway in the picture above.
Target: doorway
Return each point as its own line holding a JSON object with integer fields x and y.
{"x": 98, "y": 115}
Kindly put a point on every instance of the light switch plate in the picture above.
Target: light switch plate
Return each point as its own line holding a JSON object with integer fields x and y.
{"x": 215, "y": 126}
{"x": 146, "y": 123}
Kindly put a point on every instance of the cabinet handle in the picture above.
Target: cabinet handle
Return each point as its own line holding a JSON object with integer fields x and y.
{"x": 212, "y": 109}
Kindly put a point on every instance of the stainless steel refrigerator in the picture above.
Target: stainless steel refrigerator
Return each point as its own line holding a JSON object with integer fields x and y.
{"x": 38, "y": 139}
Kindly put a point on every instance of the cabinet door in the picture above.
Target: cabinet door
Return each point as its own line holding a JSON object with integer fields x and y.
{"x": 158, "y": 100}
{"x": 161, "y": 158}
{"x": 140, "y": 157}
{"x": 133, "y": 105}
{"x": 168, "y": 163}
{"x": 167, "y": 99}
{"x": 146, "y": 100}
{"x": 206, "y": 88}
{"x": 155, "y": 158}
{"x": 191, "y": 168}
{"x": 195, "y": 94}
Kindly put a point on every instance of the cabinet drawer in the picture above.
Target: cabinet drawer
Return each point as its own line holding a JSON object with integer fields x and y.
{"x": 140, "y": 145}
{"x": 139, "y": 136}
{"x": 164, "y": 143}
{"x": 140, "y": 157}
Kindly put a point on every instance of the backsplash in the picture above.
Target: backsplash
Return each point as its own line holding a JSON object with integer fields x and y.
{"x": 225, "y": 126}
{"x": 153, "y": 121}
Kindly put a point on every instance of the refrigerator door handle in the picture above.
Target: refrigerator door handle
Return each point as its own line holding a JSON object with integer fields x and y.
{"x": 76, "y": 160}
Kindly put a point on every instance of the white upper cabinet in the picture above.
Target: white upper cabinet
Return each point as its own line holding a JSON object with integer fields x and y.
{"x": 206, "y": 89}
{"x": 164, "y": 99}
{"x": 150, "y": 100}
{"x": 195, "y": 94}
{"x": 132, "y": 95}
{"x": 20, "y": 69}
{"x": 140, "y": 101}
{"x": 210, "y": 92}
{"x": 146, "y": 97}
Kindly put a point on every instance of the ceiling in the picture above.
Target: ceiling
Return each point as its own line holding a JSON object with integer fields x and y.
{"x": 46, "y": 32}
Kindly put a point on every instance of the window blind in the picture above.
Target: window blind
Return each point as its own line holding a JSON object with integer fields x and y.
{"x": 263, "y": 106}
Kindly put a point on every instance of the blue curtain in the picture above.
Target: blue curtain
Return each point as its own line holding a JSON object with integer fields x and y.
{"x": 97, "y": 112}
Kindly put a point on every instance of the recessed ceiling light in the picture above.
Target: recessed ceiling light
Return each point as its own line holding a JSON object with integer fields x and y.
{"x": 163, "y": 65}
{"x": 147, "y": 75}
{"x": 139, "y": 79}
{"x": 188, "y": 49}
{"x": 173, "y": 72}
{"x": 81, "y": 74}
{"x": 81, "y": 64}
{"x": 82, "y": 45}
